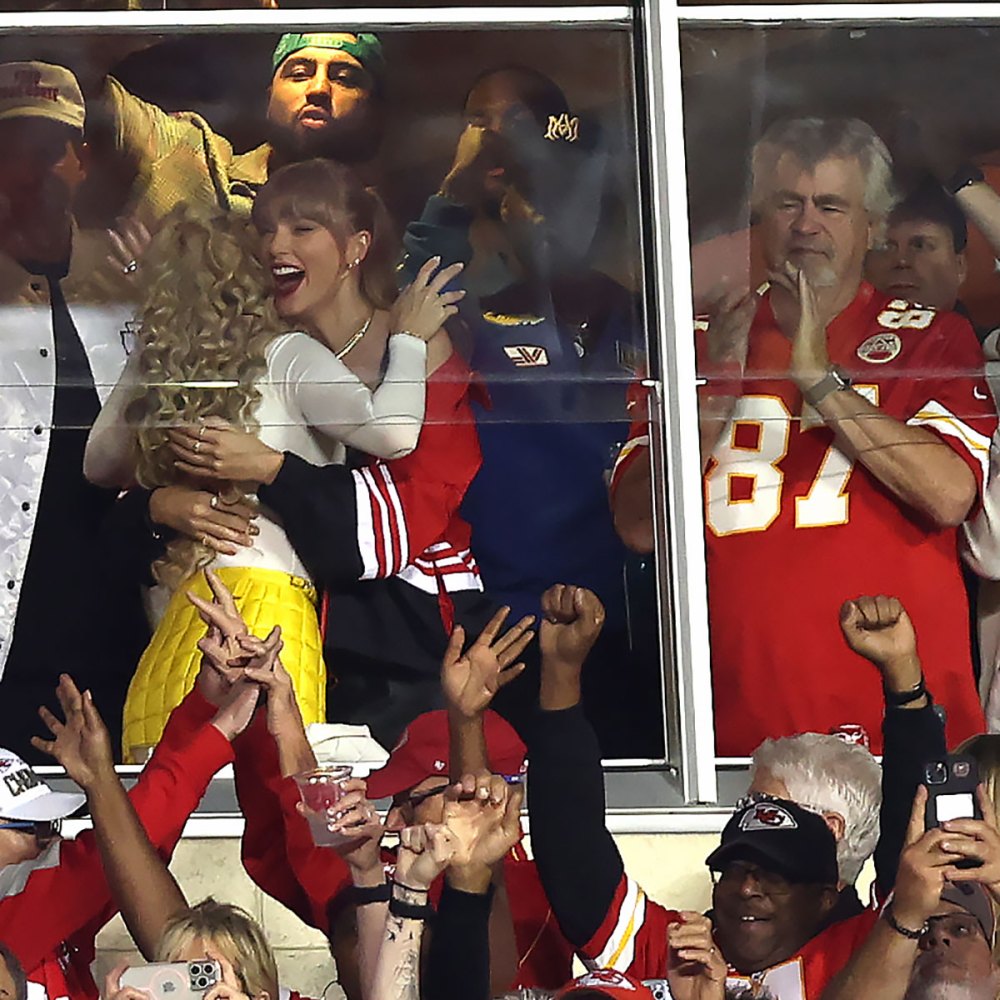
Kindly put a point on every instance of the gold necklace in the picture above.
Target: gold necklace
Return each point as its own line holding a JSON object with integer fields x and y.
{"x": 353, "y": 342}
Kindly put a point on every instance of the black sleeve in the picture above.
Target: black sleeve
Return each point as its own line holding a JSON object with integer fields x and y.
{"x": 319, "y": 513}
{"x": 910, "y": 738}
{"x": 132, "y": 542}
{"x": 442, "y": 230}
{"x": 577, "y": 859}
{"x": 458, "y": 962}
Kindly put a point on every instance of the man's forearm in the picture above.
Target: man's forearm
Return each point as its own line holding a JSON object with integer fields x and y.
{"x": 632, "y": 504}
{"x": 879, "y": 970}
{"x": 295, "y": 755}
{"x": 913, "y": 463}
{"x": 140, "y": 884}
{"x": 467, "y": 745}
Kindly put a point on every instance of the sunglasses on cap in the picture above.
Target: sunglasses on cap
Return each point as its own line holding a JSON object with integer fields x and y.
{"x": 46, "y": 829}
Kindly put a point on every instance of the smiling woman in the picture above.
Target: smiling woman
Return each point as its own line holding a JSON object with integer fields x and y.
{"x": 213, "y": 347}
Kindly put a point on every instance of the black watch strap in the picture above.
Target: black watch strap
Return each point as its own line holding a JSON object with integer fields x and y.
{"x": 897, "y": 699}
{"x": 967, "y": 173}
{"x": 362, "y": 895}
{"x": 835, "y": 380}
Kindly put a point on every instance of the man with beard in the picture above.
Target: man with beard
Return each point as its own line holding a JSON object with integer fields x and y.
{"x": 845, "y": 437}
{"x": 935, "y": 938}
{"x": 325, "y": 100}
{"x": 59, "y": 357}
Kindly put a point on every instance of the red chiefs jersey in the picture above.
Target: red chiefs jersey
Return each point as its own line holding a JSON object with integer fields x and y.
{"x": 52, "y": 907}
{"x": 633, "y": 939}
{"x": 795, "y": 527}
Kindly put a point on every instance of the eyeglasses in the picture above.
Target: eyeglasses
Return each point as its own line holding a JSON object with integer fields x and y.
{"x": 43, "y": 829}
{"x": 735, "y": 874}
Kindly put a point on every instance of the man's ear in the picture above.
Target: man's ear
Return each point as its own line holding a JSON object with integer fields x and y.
{"x": 828, "y": 898}
{"x": 837, "y": 825}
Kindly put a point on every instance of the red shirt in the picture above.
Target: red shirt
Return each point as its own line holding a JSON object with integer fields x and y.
{"x": 795, "y": 528}
{"x": 51, "y": 908}
{"x": 633, "y": 939}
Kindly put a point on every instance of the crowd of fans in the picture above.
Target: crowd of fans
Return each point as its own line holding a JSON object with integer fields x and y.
{"x": 275, "y": 488}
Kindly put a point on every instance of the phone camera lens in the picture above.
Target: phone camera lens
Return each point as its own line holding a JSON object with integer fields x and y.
{"x": 961, "y": 769}
{"x": 936, "y": 772}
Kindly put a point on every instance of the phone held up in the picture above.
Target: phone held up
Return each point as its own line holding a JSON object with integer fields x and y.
{"x": 951, "y": 793}
{"x": 174, "y": 980}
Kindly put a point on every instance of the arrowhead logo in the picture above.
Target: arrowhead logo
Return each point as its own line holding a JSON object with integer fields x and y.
{"x": 527, "y": 355}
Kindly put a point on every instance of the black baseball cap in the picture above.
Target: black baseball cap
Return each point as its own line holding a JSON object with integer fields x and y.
{"x": 782, "y": 837}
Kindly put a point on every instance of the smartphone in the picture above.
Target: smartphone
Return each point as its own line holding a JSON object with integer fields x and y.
{"x": 174, "y": 980}
{"x": 951, "y": 793}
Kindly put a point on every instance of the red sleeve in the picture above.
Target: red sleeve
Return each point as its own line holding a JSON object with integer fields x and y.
{"x": 263, "y": 849}
{"x": 40, "y": 908}
{"x": 633, "y": 936}
{"x": 950, "y": 395}
{"x": 320, "y": 871}
{"x": 278, "y": 850}
{"x": 408, "y": 504}
{"x": 187, "y": 718}
{"x": 637, "y": 404}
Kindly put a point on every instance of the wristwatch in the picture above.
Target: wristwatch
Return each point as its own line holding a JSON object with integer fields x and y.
{"x": 966, "y": 175}
{"x": 835, "y": 380}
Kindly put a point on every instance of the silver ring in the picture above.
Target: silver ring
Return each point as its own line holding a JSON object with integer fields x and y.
{"x": 214, "y": 502}
{"x": 131, "y": 266}
{"x": 197, "y": 447}
{"x": 201, "y": 431}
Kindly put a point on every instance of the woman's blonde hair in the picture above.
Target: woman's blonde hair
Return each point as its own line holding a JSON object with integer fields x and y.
{"x": 230, "y": 931}
{"x": 206, "y": 317}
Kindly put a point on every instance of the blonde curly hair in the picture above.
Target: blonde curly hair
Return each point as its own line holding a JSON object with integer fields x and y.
{"x": 203, "y": 326}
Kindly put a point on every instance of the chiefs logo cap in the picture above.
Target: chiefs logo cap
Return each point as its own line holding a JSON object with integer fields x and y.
{"x": 24, "y": 796}
{"x": 609, "y": 982}
{"x": 780, "y": 836}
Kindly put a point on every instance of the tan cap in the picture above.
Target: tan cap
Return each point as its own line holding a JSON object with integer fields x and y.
{"x": 40, "y": 90}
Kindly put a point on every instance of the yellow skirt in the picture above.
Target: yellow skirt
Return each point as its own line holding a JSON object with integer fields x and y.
{"x": 170, "y": 664}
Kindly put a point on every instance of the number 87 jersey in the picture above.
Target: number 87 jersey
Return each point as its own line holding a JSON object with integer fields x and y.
{"x": 795, "y": 526}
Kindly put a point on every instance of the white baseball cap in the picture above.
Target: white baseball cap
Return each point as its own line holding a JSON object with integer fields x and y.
{"x": 23, "y": 795}
{"x": 41, "y": 90}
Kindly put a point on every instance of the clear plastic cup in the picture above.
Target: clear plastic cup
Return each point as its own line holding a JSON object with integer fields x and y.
{"x": 320, "y": 790}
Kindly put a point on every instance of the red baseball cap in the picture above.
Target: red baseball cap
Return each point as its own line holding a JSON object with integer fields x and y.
{"x": 611, "y": 983}
{"x": 422, "y": 752}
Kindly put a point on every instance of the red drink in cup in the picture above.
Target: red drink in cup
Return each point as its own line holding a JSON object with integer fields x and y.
{"x": 320, "y": 791}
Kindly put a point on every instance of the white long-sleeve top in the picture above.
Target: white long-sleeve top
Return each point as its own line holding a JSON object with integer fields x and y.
{"x": 311, "y": 404}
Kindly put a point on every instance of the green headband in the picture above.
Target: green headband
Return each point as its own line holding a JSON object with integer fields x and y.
{"x": 367, "y": 49}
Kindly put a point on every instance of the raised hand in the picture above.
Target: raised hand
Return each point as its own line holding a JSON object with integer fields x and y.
{"x": 572, "y": 620}
{"x": 80, "y": 743}
{"x": 424, "y": 852}
{"x": 215, "y": 449}
{"x": 470, "y": 680}
{"x": 266, "y": 670}
{"x": 479, "y": 150}
{"x": 978, "y": 839}
{"x": 356, "y": 817}
{"x": 880, "y": 630}
{"x": 697, "y": 970}
{"x": 483, "y": 811}
{"x": 423, "y": 306}
{"x": 924, "y": 865}
{"x": 731, "y": 317}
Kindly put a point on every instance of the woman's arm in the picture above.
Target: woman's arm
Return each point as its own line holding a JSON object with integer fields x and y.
{"x": 332, "y": 399}
{"x": 111, "y": 453}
